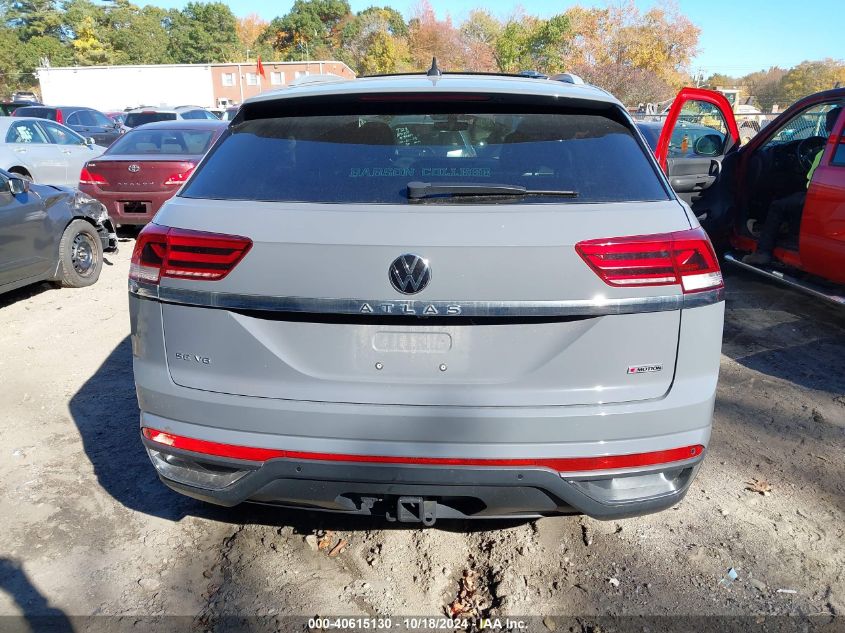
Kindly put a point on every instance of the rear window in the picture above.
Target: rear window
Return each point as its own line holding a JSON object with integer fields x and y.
{"x": 38, "y": 113}
{"x": 189, "y": 142}
{"x": 371, "y": 158}
{"x": 134, "y": 119}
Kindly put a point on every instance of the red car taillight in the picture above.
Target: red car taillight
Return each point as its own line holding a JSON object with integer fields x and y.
{"x": 86, "y": 177}
{"x": 180, "y": 177}
{"x": 60, "y": 118}
{"x": 166, "y": 252}
{"x": 683, "y": 257}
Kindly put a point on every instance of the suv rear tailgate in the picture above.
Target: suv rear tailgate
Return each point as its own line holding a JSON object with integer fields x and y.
{"x": 514, "y": 261}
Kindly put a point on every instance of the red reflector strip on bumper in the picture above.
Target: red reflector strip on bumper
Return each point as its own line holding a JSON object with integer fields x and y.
{"x": 559, "y": 464}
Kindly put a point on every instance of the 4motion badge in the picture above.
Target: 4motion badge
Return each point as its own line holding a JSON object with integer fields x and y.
{"x": 644, "y": 369}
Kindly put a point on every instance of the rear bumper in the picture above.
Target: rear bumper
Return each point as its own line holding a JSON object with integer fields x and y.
{"x": 115, "y": 202}
{"x": 680, "y": 418}
{"x": 450, "y": 492}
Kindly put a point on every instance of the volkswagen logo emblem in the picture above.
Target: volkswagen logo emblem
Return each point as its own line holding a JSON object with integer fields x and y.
{"x": 134, "y": 168}
{"x": 409, "y": 274}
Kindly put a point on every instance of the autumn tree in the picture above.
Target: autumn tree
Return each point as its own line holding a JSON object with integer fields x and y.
{"x": 765, "y": 86}
{"x": 88, "y": 48}
{"x": 809, "y": 77}
{"x": 250, "y": 30}
{"x": 376, "y": 41}
{"x": 480, "y": 33}
{"x": 430, "y": 37}
{"x": 612, "y": 46}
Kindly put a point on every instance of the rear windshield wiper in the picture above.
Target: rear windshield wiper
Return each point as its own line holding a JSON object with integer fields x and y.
{"x": 420, "y": 190}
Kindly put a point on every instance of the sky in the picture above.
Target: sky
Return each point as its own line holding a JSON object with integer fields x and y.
{"x": 737, "y": 36}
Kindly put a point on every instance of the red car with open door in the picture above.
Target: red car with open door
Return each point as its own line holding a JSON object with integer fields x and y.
{"x": 798, "y": 158}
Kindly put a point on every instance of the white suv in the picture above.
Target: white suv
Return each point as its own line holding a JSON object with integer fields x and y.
{"x": 144, "y": 114}
{"x": 428, "y": 297}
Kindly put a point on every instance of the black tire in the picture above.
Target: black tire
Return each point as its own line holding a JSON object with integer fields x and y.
{"x": 80, "y": 255}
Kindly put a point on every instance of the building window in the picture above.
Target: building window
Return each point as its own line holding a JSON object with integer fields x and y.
{"x": 302, "y": 73}
{"x": 252, "y": 79}
{"x": 228, "y": 79}
{"x": 277, "y": 79}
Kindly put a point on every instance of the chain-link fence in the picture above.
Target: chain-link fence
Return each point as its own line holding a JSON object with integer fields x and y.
{"x": 748, "y": 124}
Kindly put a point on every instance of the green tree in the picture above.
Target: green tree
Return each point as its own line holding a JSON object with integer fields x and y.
{"x": 311, "y": 26}
{"x": 43, "y": 49}
{"x": 138, "y": 35}
{"x": 10, "y": 45}
{"x": 33, "y": 18}
{"x": 204, "y": 32}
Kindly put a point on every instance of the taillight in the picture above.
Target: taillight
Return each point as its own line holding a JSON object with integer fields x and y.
{"x": 59, "y": 117}
{"x": 683, "y": 257}
{"x": 179, "y": 177}
{"x": 87, "y": 177}
{"x": 167, "y": 252}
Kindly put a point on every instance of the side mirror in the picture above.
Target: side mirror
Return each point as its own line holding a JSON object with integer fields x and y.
{"x": 90, "y": 141}
{"x": 18, "y": 186}
{"x": 708, "y": 145}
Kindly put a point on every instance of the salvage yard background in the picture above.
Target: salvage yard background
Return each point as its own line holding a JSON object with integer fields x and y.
{"x": 88, "y": 529}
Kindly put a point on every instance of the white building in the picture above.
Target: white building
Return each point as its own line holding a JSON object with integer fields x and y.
{"x": 207, "y": 85}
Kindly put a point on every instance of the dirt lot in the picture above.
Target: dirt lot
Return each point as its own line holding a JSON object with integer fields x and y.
{"x": 87, "y": 529}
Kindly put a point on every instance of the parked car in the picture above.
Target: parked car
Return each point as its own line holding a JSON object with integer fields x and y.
{"x": 44, "y": 151}
{"x": 50, "y": 233}
{"x": 88, "y": 122}
{"x": 230, "y": 113}
{"x": 142, "y": 115}
{"x": 144, "y": 168}
{"x": 732, "y": 189}
{"x": 7, "y": 108}
{"x": 24, "y": 95}
{"x": 337, "y": 313}
{"x": 117, "y": 117}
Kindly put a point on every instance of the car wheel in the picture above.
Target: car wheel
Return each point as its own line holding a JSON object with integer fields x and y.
{"x": 80, "y": 255}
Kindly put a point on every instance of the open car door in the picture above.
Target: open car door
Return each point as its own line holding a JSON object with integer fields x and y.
{"x": 700, "y": 129}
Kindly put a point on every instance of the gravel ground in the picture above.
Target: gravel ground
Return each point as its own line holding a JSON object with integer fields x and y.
{"x": 87, "y": 529}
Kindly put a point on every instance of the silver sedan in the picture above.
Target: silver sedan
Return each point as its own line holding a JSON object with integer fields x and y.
{"x": 44, "y": 151}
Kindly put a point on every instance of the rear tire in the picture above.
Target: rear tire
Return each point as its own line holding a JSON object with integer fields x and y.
{"x": 80, "y": 255}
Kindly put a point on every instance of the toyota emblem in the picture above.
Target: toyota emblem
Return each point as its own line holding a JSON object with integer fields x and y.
{"x": 134, "y": 168}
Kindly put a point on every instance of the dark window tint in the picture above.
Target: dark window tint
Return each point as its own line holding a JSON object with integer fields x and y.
{"x": 372, "y": 158}
{"x": 651, "y": 133}
{"x": 38, "y": 113}
{"x": 62, "y": 135}
{"x": 134, "y": 119}
{"x": 192, "y": 142}
{"x": 839, "y": 156}
{"x": 88, "y": 118}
